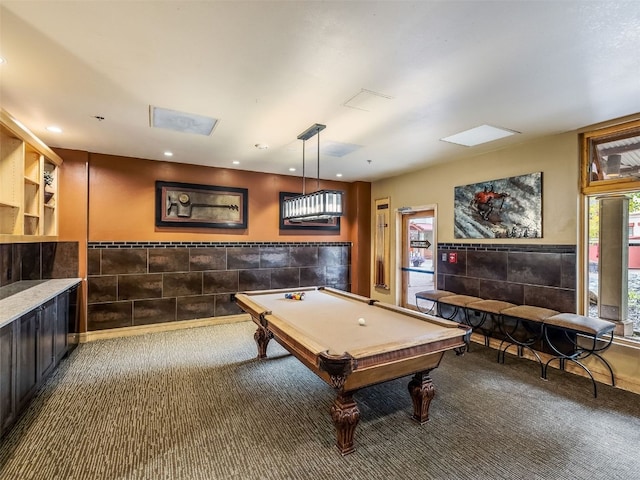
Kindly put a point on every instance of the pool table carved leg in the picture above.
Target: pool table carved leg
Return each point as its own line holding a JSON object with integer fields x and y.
{"x": 262, "y": 338}
{"x": 345, "y": 415}
{"x": 422, "y": 392}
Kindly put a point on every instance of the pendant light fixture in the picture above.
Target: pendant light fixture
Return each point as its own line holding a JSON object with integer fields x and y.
{"x": 320, "y": 205}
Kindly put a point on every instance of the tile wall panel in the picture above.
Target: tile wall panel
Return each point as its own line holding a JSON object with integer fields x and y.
{"x": 93, "y": 262}
{"x": 136, "y": 287}
{"x": 189, "y": 280}
{"x": 312, "y": 276}
{"x": 259, "y": 279}
{"x": 169, "y": 260}
{"x": 158, "y": 310}
{"x": 274, "y": 257}
{"x": 220, "y": 281}
{"x": 102, "y": 289}
{"x": 304, "y": 256}
{"x": 462, "y": 285}
{"x": 569, "y": 272}
{"x": 38, "y": 261}
{"x": 330, "y": 256}
{"x": 563, "y": 300}
{"x": 132, "y": 260}
{"x": 225, "y": 305}
{"x": 535, "y": 268}
{"x": 30, "y": 253}
{"x": 101, "y": 316}
{"x": 6, "y": 264}
{"x": 504, "y": 291}
{"x": 60, "y": 260}
{"x": 181, "y": 284}
{"x": 490, "y": 265}
{"x": 337, "y": 275}
{"x": 201, "y": 259}
{"x": 200, "y": 306}
{"x": 240, "y": 258}
{"x": 540, "y": 275}
{"x": 285, "y": 277}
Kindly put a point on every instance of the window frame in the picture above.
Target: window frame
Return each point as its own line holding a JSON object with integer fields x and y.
{"x": 592, "y": 137}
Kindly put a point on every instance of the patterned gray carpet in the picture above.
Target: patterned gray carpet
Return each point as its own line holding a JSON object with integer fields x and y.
{"x": 195, "y": 404}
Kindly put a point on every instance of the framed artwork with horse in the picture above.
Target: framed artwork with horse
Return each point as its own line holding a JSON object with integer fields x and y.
{"x": 191, "y": 205}
{"x": 502, "y": 208}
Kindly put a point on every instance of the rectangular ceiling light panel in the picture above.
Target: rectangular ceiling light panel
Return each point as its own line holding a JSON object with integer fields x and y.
{"x": 478, "y": 135}
{"x": 182, "y": 121}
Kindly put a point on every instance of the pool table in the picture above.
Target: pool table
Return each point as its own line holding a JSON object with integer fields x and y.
{"x": 324, "y": 332}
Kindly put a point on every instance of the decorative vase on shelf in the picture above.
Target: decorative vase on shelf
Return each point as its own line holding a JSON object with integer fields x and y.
{"x": 48, "y": 193}
{"x": 48, "y": 186}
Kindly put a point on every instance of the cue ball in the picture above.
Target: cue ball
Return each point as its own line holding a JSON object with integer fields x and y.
{"x": 361, "y": 321}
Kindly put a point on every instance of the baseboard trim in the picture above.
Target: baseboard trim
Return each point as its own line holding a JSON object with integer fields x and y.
{"x": 159, "y": 327}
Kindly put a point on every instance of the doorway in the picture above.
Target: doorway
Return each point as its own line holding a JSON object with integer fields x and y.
{"x": 418, "y": 254}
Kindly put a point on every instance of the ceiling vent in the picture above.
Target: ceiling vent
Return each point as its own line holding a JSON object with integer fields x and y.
{"x": 367, "y": 100}
{"x": 181, "y": 121}
{"x": 337, "y": 149}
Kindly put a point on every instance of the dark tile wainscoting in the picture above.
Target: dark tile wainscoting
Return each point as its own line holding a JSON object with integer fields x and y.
{"x": 538, "y": 275}
{"x": 37, "y": 261}
{"x": 141, "y": 283}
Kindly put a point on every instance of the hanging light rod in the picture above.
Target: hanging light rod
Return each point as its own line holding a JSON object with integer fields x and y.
{"x": 320, "y": 206}
{"x": 311, "y": 131}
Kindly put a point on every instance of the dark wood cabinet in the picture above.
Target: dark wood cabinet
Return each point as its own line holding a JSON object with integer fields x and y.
{"x": 61, "y": 334}
{"x": 7, "y": 376}
{"x": 27, "y": 357}
{"x": 30, "y": 349}
{"x": 47, "y": 320}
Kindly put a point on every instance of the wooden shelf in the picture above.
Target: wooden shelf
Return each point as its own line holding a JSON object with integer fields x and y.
{"x": 26, "y": 214}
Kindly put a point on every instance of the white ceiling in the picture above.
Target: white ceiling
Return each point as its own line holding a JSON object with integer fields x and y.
{"x": 268, "y": 70}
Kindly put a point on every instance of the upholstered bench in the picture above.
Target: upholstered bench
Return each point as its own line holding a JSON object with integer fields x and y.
{"x": 458, "y": 303}
{"x": 586, "y": 336}
{"x": 488, "y": 309}
{"x": 523, "y": 326}
{"x": 432, "y": 296}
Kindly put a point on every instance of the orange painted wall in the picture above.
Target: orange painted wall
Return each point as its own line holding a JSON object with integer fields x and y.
{"x": 73, "y": 206}
{"x": 122, "y": 202}
{"x": 112, "y": 198}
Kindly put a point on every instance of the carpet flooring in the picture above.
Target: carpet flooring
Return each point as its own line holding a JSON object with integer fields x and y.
{"x": 196, "y": 404}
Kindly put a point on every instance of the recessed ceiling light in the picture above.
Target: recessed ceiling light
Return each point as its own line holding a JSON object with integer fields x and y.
{"x": 261, "y": 146}
{"x": 54, "y": 129}
{"x": 236, "y": 162}
{"x": 292, "y": 169}
{"x": 168, "y": 154}
{"x": 2, "y": 60}
{"x": 478, "y": 135}
{"x": 338, "y": 174}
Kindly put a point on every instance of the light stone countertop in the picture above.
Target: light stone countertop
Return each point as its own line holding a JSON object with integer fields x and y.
{"x": 19, "y": 298}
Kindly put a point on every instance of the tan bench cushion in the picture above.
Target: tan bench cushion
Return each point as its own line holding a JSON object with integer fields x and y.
{"x": 490, "y": 306}
{"x": 459, "y": 300}
{"x": 433, "y": 295}
{"x": 528, "y": 312}
{"x": 580, "y": 323}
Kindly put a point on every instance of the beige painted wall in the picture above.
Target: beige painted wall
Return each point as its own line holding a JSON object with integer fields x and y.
{"x": 557, "y": 157}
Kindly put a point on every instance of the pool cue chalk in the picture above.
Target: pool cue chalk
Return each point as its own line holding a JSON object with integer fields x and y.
{"x": 361, "y": 321}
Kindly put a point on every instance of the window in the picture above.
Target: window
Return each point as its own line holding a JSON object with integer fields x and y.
{"x": 610, "y": 180}
{"x": 611, "y": 159}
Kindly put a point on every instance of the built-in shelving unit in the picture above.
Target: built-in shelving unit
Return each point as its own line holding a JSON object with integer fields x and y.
{"x": 28, "y": 184}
